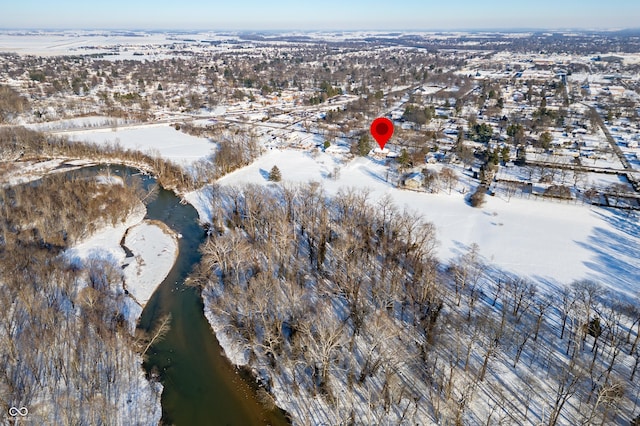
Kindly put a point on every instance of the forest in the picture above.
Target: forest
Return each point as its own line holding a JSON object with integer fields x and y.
{"x": 67, "y": 352}
{"x": 341, "y": 308}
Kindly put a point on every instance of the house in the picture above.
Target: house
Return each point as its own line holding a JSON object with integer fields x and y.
{"x": 414, "y": 180}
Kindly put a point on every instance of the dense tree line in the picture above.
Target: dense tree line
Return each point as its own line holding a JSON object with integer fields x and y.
{"x": 58, "y": 218}
{"x": 67, "y": 351}
{"x": 340, "y": 303}
{"x": 292, "y": 258}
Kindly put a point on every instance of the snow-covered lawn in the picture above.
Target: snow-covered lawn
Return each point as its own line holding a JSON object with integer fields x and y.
{"x": 549, "y": 241}
{"x": 161, "y": 139}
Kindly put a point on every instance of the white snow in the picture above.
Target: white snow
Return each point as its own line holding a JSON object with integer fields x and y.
{"x": 106, "y": 242}
{"x": 160, "y": 139}
{"x": 155, "y": 249}
{"x": 551, "y": 242}
{"x": 233, "y": 350}
{"x": 54, "y": 43}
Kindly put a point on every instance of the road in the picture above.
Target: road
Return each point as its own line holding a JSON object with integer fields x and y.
{"x": 631, "y": 173}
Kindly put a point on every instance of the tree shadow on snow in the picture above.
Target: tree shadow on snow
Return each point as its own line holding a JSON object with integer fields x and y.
{"x": 617, "y": 261}
{"x": 264, "y": 173}
{"x": 376, "y": 176}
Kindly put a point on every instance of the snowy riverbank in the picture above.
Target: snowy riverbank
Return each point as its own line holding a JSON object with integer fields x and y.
{"x": 549, "y": 242}
{"x": 153, "y": 250}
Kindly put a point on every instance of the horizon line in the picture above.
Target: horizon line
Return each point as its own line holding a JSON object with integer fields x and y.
{"x": 333, "y": 30}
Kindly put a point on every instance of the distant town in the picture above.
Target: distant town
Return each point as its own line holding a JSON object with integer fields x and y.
{"x": 535, "y": 113}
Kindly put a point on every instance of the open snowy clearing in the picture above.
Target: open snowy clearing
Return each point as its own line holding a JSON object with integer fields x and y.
{"x": 551, "y": 242}
{"x": 160, "y": 139}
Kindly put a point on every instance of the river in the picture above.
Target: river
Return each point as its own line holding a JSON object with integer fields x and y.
{"x": 201, "y": 387}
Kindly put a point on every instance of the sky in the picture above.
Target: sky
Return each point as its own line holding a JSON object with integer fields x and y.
{"x": 319, "y": 14}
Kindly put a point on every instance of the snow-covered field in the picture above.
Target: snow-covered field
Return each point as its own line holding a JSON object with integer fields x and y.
{"x": 45, "y": 43}
{"x": 160, "y": 139}
{"x": 551, "y": 242}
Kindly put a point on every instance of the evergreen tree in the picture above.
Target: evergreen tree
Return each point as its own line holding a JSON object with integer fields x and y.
{"x": 493, "y": 157}
{"x": 545, "y": 140}
{"x": 516, "y": 132}
{"x": 274, "y": 174}
{"x": 505, "y": 154}
{"x": 404, "y": 158}
{"x": 364, "y": 145}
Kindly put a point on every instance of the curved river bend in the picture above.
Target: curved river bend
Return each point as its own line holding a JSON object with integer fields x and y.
{"x": 201, "y": 387}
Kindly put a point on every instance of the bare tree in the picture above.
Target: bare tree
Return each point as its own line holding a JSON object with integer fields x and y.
{"x": 568, "y": 383}
{"x": 449, "y": 178}
{"x": 155, "y": 335}
{"x": 521, "y": 295}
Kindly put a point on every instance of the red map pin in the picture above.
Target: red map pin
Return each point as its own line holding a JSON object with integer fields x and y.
{"x": 381, "y": 130}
